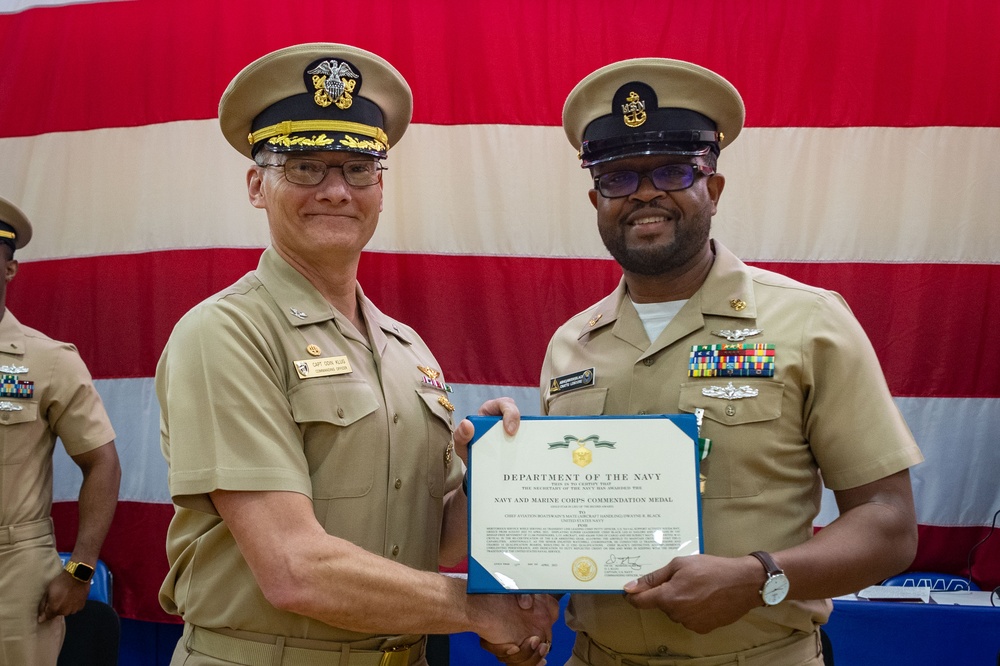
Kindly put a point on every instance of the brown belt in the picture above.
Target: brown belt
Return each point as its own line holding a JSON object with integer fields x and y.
{"x": 11, "y": 534}
{"x": 792, "y": 650}
{"x": 268, "y": 650}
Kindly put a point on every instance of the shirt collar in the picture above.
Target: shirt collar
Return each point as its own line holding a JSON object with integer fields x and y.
{"x": 302, "y": 304}
{"x": 726, "y": 292}
{"x": 12, "y": 339}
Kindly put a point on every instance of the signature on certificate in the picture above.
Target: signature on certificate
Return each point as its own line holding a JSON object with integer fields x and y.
{"x": 631, "y": 562}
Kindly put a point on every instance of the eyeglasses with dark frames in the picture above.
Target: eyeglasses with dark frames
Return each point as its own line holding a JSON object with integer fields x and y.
{"x": 667, "y": 178}
{"x": 305, "y": 171}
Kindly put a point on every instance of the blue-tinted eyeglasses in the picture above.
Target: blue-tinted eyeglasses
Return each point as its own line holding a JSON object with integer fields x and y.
{"x": 667, "y": 178}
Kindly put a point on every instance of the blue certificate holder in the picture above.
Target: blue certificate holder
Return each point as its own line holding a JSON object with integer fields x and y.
{"x": 580, "y": 504}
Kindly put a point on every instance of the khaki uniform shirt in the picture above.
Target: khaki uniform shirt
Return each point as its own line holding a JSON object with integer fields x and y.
{"x": 827, "y": 408}
{"x": 370, "y": 444}
{"x": 46, "y": 392}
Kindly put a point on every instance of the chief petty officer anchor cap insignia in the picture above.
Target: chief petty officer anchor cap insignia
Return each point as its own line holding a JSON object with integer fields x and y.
{"x": 318, "y": 96}
{"x": 651, "y": 106}
{"x": 15, "y": 230}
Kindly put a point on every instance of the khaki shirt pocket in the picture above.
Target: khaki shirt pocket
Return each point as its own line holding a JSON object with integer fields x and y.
{"x": 438, "y": 441}
{"x": 582, "y": 402}
{"x": 15, "y": 443}
{"x": 740, "y": 431}
{"x": 340, "y": 433}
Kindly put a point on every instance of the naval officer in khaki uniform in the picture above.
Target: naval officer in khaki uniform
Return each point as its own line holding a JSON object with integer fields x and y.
{"x": 782, "y": 377}
{"x": 310, "y": 438}
{"x": 46, "y": 393}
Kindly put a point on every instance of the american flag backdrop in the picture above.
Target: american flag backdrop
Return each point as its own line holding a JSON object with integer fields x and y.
{"x": 869, "y": 165}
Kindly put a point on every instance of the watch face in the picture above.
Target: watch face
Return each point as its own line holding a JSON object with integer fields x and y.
{"x": 82, "y": 572}
{"x": 775, "y": 589}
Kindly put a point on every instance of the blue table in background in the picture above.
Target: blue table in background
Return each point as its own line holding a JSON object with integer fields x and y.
{"x": 880, "y": 632}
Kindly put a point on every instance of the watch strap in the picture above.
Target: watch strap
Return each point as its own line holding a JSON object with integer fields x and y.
{"x": 770, "y": 566}
{"x": 79, "y": 570}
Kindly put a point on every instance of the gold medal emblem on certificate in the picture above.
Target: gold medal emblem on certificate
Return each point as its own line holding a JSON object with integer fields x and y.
{"x": 582, "y": 456}
{"x": 584, "y": 569}
{"x": 322, "y": 367}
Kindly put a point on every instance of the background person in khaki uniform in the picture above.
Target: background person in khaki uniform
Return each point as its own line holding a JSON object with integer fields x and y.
{"x": 796, "y": 391}
{"x": 46, "y": 393}
{"x": 310, "y": 439}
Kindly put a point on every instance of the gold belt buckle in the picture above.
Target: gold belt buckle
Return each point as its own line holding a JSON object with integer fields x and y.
{"x": 397, "y": 656}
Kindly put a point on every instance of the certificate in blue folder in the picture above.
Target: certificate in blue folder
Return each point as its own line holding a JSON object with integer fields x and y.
{"x": 581, "y": 504}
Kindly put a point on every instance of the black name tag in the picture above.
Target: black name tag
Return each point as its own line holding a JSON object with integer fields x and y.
{"x": 572, "y": 381}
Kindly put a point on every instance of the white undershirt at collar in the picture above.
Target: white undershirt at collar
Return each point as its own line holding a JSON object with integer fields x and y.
{"x": 656, "y": 316}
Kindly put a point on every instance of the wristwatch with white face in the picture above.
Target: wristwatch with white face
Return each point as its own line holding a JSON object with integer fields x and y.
{"x": 80, "y": 571}
{"x": 775, "y": 588}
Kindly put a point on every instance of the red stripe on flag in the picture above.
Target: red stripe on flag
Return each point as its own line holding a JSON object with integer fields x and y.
{"x": 488, "y": 319}
{"x": 121, "y": 64}
{"x": 950, "y": 550}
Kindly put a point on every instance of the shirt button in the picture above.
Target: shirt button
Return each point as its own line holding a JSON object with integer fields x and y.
{"x": 395, "y": 418}
{"x": 641, "y": 412}
{"x": 730, "y": 410}
{"x": 395, "y": 550}
{"x": 398, "y": 484}
{"x": 662, "y": 649}
{"x": 5, "y": 417}
{"x": 647, "y": 362}
{"x": 340, "y": 412}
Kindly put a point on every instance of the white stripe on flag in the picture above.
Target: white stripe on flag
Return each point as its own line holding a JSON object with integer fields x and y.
{"x": 15, "y": 6}
{"x": 865, "y": 194}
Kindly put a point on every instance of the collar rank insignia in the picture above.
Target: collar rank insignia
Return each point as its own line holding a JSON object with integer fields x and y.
{"x": 593, "y": 322}
{"x": 738, "y": 335}
{"x": 446, "y": 403}
{"x": 431, "y": 373}
{"x": 729, "y": 392}
{"x": 334, "y": 82}
{"x": 298, "y": 313}
{"x": 738, "y": 304}
{"x": 746, "y": 359}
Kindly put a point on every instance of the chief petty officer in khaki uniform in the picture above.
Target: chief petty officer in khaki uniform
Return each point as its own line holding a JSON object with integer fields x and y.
{"x": 46, "y": 393}
{"x": 310, "y": 438}
{"x": 797, "y": 389}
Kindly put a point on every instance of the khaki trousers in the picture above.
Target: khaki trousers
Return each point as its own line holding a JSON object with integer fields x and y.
{"x": 206, "y": 647}
{"x": 796, "y": 650}
{"x": 28, "y": 562}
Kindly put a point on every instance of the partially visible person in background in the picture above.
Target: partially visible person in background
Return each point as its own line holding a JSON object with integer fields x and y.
{"x": 46, "y": 393}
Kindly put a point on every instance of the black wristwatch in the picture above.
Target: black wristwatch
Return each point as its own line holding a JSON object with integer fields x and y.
{"x": 775, "y": 588}
{"x": 80, "y": 571}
